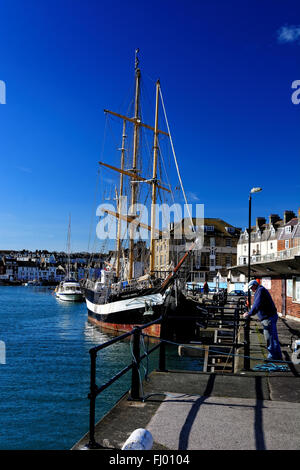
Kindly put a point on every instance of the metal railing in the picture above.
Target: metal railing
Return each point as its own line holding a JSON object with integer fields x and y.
{"x": 136, "y": 334}
{"x": 134, "y": 366}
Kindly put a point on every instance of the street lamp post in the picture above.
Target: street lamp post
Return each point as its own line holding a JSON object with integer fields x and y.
{"x": 253, "y": 190}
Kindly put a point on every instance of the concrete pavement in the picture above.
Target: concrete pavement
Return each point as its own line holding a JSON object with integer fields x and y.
{"x": 214, "y": 411}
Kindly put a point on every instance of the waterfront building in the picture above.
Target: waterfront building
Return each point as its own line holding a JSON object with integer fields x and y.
{"x": 27, "y": 271}
{"x": 11, "y": 267}
{"x": 217, "y": 253}
{"x": 275, "y": 259}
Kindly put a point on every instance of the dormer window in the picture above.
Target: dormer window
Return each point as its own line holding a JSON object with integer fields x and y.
{"x": 288, "y": 229}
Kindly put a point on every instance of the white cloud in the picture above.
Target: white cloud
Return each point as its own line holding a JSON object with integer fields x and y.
{"x": 289, "y": 34}
{"x": 24, "y": 170}
{"x": 193, "y": 197}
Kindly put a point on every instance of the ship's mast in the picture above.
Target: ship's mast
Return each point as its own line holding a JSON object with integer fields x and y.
{"x": 154, "y": 182}
{"x": 120, "y": 200}
{"x": 135, "y": 177}
{"x": 134, "y": 169}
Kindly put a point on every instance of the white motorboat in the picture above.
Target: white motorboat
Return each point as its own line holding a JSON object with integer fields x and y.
{"x": 69, "y": 290}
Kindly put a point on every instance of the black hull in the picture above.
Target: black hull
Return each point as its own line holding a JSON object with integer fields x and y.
{"x": 177, "y": 329}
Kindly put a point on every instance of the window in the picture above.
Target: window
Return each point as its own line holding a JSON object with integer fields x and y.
{"x": 245, "y": 247}
{"x": 289, "y": 288}
{"x": 286, "y": 244}
{"x": 228, "y": 260}
{"x": 271, "y": 246}
{"x": 228, "y": 242}
{"x": 212, "y": 241}
{"x": 297, "y": 289}
{"x": 209, "y": 228}
{"x": 288, "y": 229}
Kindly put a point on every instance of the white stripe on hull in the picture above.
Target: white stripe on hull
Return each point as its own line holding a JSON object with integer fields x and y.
{"x": 124, "y": 305}
{"x": 69, "y": 297}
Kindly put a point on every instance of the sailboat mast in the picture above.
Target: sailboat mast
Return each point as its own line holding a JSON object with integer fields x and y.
{"x": 134, "y": 163}
{"x": 120, "y": 200}
{"x": 69, "y": 247}
{"x": 154, "y": 182}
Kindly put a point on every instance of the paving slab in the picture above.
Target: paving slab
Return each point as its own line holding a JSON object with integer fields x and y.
{"x": 190, "y": 422}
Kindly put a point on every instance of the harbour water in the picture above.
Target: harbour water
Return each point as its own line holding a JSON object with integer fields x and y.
{"x": 45, "y": 377}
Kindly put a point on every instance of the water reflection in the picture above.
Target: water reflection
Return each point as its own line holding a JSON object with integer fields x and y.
{"x": 94, "y": 335}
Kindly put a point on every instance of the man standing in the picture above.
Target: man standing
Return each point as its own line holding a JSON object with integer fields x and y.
{"x": 265, "y": 309}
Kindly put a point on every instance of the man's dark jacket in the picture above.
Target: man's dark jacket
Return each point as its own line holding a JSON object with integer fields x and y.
{"x": 263, "y": 305}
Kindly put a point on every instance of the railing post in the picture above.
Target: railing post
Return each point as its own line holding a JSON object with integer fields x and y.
{"x": 92, "y": 396}
{"x": 234, "y": 339}
{"x": 135, "y": 378}
{"x": 247, "y": 344}
{"x": 162, "y": 349}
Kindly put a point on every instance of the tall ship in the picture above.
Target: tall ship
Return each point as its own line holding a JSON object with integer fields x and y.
{"x": 121, "y": 297}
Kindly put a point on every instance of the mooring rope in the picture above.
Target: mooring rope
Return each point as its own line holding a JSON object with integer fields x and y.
{"x": 217, "y": 351}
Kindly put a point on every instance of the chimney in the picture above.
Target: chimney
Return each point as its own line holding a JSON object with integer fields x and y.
{"x": 259, "y": 222}
{"x": 287, "y": 216}
{"x": 273, "y": 218}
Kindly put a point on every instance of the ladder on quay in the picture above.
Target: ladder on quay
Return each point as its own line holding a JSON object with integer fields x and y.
{"x": 222, "y": 344}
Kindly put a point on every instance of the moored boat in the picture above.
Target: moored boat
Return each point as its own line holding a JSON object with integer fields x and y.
{"x": 69, "y": 290}
{"x": 118, "y": 300}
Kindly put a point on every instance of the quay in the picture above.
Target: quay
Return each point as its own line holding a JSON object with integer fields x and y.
{"x": 247, "y": 408}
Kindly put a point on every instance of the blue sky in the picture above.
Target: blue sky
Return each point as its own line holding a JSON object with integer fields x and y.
{"x": 226, "y": 70}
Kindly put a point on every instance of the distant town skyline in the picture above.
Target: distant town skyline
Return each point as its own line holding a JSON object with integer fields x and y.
{"x": 228, "y": 74}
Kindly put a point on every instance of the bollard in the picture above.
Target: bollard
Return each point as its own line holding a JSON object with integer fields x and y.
{"x": 140, "y": 439}
{"x": 296, "y": 352}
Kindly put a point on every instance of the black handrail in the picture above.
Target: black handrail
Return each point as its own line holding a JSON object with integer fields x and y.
{"x": 137, "y": 358}
{"x": 134, "y": 366}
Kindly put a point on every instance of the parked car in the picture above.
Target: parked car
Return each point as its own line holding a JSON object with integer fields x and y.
{"x": 237, "y": 292}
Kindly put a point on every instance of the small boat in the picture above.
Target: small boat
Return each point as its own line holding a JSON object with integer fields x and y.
{"x": 33, "y": 283}
{"x": 69, "y": 289}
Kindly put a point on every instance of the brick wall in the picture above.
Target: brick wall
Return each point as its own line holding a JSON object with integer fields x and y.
{"x": 276, "y": 293}
{"x": 292, "y": 308}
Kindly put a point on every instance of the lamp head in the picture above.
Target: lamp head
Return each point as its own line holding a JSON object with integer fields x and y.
{"x": 255, "y": 190}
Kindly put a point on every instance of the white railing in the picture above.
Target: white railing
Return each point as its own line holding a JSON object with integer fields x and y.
{"x": 279, "y": 255}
